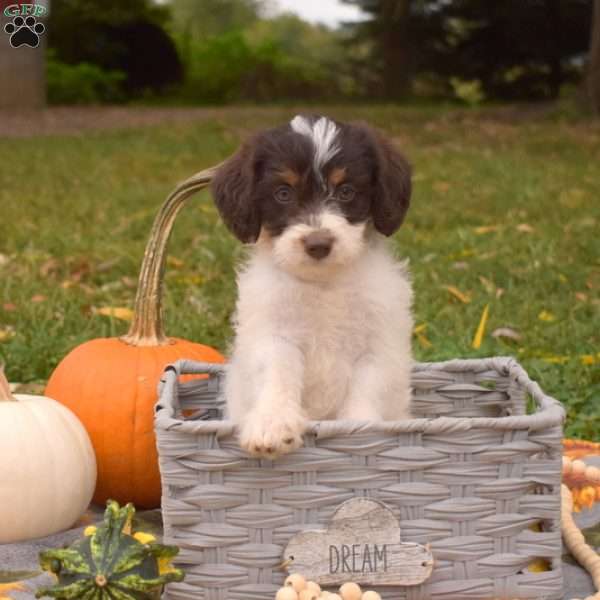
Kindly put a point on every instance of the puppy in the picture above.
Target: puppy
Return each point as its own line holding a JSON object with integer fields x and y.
{"x": 323, "y": 319}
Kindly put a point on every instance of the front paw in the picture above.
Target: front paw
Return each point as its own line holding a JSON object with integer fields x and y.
{"x": 270, "y": 436}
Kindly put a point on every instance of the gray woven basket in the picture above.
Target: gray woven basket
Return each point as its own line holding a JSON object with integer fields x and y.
{"x": 475, "y": 476}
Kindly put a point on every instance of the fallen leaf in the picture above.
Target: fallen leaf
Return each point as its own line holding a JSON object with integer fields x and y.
{"x": 590, "y": 359}
{"x": 546, "y": 315}
{"x": 112, "y": 286}
{"x": 173, "y": 261}
{"x": 129, "y": 282}
{"x": 419, "y": 332}
{"x": 441, "y": 186}
{"x": 555, "y": 359}
{"x": 454, "y": 291}
{"x": 80, "y": 268}
{"x": 486, "y": 229}
{"x": 125, "y": 314}
{"x": 507, "y": 332}
{"x": 107, "y": 265}
{"x": 524, "y": 228}
{"x": 4, "y": 260}
{"x": 196, "y": 279}
{"x": 209, "y": 208}
{"x": 581, "y": 296}
{"x": 88, "y": 289}
{"x": 538, "y": 565}
{"x": 572, "y": 198}
{"x": 49, "y": 267}
{"x": 499, "y": 292}
{"x": 38, "y": 298}
{"x": 481, "y": 328}
{"x": 33, "y": 387}
{"x": 489, "y": 286}
{"x": 7, "y": 333}
{"x": 422, "y": 339}
{"x": 9, "y": 307}
{"x": 460, "y": 265}
{"x": 16, "y": 586}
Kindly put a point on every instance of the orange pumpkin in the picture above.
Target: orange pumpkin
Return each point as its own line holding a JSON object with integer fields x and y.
{"x": 110, "y": 383}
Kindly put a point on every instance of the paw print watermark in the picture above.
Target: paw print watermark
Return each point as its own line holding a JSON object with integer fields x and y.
{"x": 24, "y": 31}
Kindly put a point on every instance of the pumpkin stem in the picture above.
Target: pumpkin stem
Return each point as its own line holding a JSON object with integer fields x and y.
{"x": 147, "y": 328}
{"x": 5, "y": 393}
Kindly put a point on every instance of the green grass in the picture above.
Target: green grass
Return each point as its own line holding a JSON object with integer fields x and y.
{"x": 76, "y": 211}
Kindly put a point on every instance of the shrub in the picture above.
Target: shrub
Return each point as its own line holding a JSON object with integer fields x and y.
{"x": 82, "y": 83}
{"x": 229, "y": 68}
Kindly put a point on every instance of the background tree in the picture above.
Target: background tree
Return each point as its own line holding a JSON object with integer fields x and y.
{"x": 593, "y": 75}
{"x": 117, "y": 36}
{"x": 518, "y": 49}
{"x": 389, "y": 37}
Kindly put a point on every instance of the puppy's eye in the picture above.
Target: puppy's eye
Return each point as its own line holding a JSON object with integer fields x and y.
{"x": 284, "y": 194}
{"x": 345, "y": 193}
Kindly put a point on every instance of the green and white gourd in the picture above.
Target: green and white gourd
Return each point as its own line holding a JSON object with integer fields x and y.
{"x": 111, "y": 563}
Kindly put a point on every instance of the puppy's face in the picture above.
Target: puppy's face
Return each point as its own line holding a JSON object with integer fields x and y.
{"x": 309, "y": 190}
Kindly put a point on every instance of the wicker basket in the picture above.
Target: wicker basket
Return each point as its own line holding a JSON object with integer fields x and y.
{"x": 475, "y": 476}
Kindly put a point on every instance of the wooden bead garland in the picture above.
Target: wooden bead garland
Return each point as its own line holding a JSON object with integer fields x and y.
{"x": 297, "y": 588}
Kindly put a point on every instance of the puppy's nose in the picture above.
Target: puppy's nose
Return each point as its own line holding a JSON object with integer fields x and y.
{"x": 318, "y": 244}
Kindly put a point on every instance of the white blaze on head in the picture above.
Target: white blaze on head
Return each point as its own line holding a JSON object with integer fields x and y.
{"x": 323, "y": 133}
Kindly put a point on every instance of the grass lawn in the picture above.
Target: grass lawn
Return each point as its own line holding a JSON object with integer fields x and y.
{"x": 505, "y": 210}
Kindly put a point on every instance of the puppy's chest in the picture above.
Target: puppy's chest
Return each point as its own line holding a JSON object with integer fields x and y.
{"x": 331, "y": 322}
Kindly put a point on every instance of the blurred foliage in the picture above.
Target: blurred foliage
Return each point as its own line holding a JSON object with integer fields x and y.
{"x": 114, "y": 35}
{"x": 220, "y": 51}
{"x": 83, "y": 83}
{"x": 517, "y": 49}
{"x": 469, "y": 92}
{"x": 213, "y": 17}
{"x": 234, "y": 58}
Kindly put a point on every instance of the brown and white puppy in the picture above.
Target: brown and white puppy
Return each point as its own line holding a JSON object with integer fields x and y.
{"x": 323, "y": 319}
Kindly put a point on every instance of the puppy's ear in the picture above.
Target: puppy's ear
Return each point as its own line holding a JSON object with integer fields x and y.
{"x": 392, "y": 187}
{"x": 232, "y": 188}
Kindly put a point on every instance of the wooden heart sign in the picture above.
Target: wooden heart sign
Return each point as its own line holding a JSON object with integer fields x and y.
{"x": 361, "y": 544}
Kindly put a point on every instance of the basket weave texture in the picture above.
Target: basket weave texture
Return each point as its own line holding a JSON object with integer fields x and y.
{"x": 474, "y": 475}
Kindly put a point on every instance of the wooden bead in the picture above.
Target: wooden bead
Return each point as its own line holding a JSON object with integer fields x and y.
{"x": 287, "y": 592}
{"x": 578, "y": 468}
{"x": 296, "y": 581}
{"x": 371, "y": 595}
{"x": 350, "y": 591}
{"x": 307, "y": 594}
{"x": 311, "y": 585}
{"x": 593, "y": 474}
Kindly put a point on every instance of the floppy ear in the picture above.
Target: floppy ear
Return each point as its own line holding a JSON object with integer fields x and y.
{"x": 392, "y": 187}
{"x": 232, "y": 188}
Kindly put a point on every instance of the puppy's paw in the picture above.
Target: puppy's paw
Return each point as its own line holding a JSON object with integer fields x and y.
{"x": 270, "y": 436}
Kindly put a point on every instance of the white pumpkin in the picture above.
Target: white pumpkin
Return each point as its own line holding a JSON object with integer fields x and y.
{"x": 47, "y": 466}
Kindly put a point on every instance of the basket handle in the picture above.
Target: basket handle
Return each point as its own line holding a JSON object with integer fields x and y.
{"x": 167, "y": 386}
{"x": 147, "y": 328}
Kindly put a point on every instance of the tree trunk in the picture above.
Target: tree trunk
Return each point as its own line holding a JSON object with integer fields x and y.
{"x": 396, "y": 47}
{"x": 593, "y": 75}
{"x": 554, "y": 47}
{"x": 22, "y": 69}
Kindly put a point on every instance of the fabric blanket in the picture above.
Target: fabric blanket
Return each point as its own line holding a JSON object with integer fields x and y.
{"x": 20, "y": 575}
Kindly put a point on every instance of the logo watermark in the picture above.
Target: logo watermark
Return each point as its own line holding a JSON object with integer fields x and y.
{"x": 24, "y": 29}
